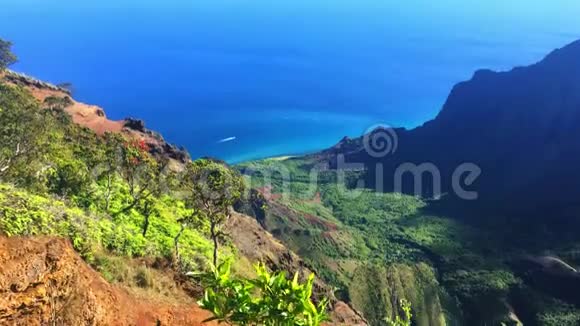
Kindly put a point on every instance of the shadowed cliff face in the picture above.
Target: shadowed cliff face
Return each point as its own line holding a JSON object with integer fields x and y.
{"x": 551, "y": 275}
{"x": 520, "y": 127}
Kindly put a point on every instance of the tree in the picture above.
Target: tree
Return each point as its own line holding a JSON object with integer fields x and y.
{"x": 7, "y": 58}
{"x": 21, "y": 129}
{"x": 69, "y": 178}
{"x": 189, "y": 220}
{"x": 270, "y": 299}
{"x": 159, "y": 175}
{"x": 144, "y": 174}
{"x": 111, "y": 160}
{"x": 211, "y": 189}
{"x": 140, "y": 171}
{"x": 146, "y": 207}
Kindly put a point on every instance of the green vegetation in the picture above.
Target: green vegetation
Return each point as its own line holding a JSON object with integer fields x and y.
{"x": 383, "y": 253}
{"x": 212, "y": 189}
{"x": 377, "y": 291}
{"x": 559, "y": 314}
{"x": 58, "y": 178}
{"x": 139, "y": 279}
{"x": 402, "y": 321}
{"x": 104, "y": 193}
{"x": 7, "y": 58}
{"x": 118, "y": 203}
{"x": 269, "y": 299}
{"x": 23, "y": 213}
{"x": 348, "y": 236}
{"x": 379, "y": 248}
{"x": 22, "y": 132}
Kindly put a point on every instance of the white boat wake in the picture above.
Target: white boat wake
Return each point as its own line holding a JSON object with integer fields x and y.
{"x": 225, "y": 140}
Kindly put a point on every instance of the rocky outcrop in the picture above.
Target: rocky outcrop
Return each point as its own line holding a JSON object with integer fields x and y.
{"x": 94, "y": 118}
{"x": 135, "y": 124}
{"x": 44, "y": 282}
{"x": 31, "y": 82}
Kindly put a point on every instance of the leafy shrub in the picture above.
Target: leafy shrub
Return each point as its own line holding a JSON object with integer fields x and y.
{"x": 23, "y": 213}
{"x": 269, "y": 299}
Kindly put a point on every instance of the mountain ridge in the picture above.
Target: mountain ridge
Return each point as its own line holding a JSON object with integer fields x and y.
{"x": 523, "y": 120}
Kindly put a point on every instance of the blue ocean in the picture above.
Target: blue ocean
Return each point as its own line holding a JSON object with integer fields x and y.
{"x": 240, "y": 79}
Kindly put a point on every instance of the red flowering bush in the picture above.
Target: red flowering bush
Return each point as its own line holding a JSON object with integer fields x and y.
{"x": 136, "y": 152}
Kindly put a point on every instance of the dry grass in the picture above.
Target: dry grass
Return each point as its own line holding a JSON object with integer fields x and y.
{"x": 141, "y": 280}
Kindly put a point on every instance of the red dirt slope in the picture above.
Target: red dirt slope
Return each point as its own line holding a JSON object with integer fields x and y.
{"x": 44, "y": 282}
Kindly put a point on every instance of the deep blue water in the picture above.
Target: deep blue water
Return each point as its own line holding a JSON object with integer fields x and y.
{"x": 281, "y": 77}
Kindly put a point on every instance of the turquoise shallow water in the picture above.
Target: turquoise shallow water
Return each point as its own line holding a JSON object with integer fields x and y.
{"x": 276, "y": 78}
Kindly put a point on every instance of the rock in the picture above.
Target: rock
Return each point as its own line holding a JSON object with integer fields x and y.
{"x": 343, "y": 314}
{"x": 135, "y": 124}
{"x": 27, "y": 81}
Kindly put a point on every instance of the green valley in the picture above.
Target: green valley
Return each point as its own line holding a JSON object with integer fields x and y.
{"x": 379, "y": 248}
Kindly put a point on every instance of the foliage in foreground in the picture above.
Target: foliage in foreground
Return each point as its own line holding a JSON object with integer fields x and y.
{"x": 269, "y": 299}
